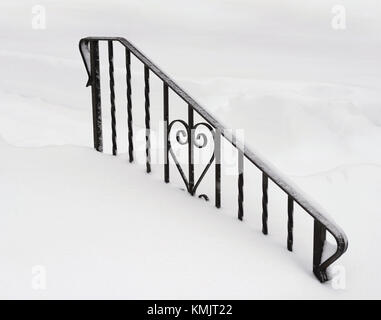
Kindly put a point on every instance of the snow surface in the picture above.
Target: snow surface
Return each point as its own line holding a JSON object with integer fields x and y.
{"x": 103, "y": 229}
{"x": 308, "y": 98}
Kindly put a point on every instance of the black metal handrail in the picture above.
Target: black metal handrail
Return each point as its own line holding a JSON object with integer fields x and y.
{"x": 89, "y": 48}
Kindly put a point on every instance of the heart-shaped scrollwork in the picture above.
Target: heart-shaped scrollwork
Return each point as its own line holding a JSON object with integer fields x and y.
{"x": 188, "y": 136}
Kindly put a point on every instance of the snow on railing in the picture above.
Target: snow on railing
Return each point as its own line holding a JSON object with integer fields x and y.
{"x": 89, "y": 48}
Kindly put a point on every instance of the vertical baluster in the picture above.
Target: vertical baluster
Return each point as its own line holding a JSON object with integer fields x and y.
{"x": 190, "y": 150}
{"x": 265, "y": 199}
{"x": 290, "y": 224}
{"x": 147, "y": 119}
{"x": 240, "y": 185}
{"x": 217, "y": 150}
{"x": 166, "y": 138}
{"x": 320, "y": 234}
{"x": 112, "y": 97}
{"x": 129, "y": 107}
{"x": 96, "y": 95}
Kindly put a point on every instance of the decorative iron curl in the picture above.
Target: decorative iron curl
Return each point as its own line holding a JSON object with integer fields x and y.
{"x": 200, "y": 140}
{"x": 185, "y": 135}
{"x": 202, "y": 136}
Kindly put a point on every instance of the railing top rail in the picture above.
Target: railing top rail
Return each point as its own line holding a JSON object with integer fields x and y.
{"x": 287, "y": 186}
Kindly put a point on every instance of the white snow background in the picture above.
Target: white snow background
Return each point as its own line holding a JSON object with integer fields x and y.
{"x": 307, "y": 96}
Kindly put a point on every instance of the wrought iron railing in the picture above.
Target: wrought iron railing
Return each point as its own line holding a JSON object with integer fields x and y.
{"x": 89, "y": 48}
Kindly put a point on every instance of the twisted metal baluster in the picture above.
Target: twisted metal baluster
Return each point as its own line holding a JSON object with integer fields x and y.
{"x": 147, "y": 119}
{"x": 96, "y": 95}
{"x": 290, "y": 225}
{"x": 240, "y": 185}
{"x": 217, "y": 150}
{"x": 265, "y": 184}
{"x": 129, "y": 107}
{"x": 112, "y": 97}
{"x": 190, "y": 150}
{"x": 166, "y": 132}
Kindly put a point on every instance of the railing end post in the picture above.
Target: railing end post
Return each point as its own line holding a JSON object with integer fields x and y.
{"x": 320, "y": 234}
{"x": 321, "y": 274}
{"x": 94, "y": 80}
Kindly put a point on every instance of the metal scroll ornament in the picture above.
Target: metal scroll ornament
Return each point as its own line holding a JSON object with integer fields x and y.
{"x": 189, "y": 136}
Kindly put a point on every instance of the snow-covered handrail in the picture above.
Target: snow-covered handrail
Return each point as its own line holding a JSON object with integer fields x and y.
{"x": 89, "y": 48}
